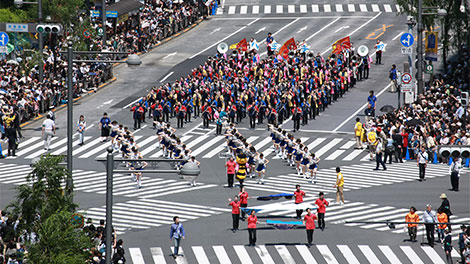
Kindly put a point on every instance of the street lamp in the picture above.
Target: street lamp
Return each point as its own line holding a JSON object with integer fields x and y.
{"x": 189, "y": 169}
{"x": 133, "y": 60}
{"x": 19, "y": 4}
{"x": 440, "y": 12}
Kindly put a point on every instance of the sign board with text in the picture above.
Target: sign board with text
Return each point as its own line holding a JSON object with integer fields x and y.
{"x": 16, "y": 27}
{"x": 406, "y": 50}
{"x": 406, "y": 83}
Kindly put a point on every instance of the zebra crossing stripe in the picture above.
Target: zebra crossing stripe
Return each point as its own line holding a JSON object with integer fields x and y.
{"x": 339, "y": 8}
{"x": 243, "y": 9}
{"x": 84, "y": 147}
{"x": 37, "y": 153}
{"x": 231, "y": 10}
{"x": 411, "y": 254}
{"x": 221, "y": 255}
{"x": 31, "y": 148}
{"x": 305, "y": 254}
{"x": 348, "y": 144}
{"x": 74, "y": 144}
{"x": 363, "y": 7}
{"x": 348, "y": 254}
{"x": 353, "y": 154}
{"x": 372, "y": 210}
{"x": 335, "y": 154}
{"x": 255, "y": 9}
{"x": 180, "y": 191}
{"x": 432, "y": 254}
{"x": 315, "y": 9}
{"x": 351, "y": 8}
{"x": 136, "y": 256}
{"x": 200, "y": 255}
{"x": 375, "y": 8}
{"x": 285, "y": 255}
{"x": 369, "y": 254}
{"x": 291, "y": 9}
{"x": 180, "y": 259}
{"x": 267, "y": 9}
{"x": 387, "y": 213}
{"x": 264, "y": 254}
{"x": 206, "y": 145}
{"x": 327, "y": 255}
{"x": 327, "y": 147}
{"x": 242, "y": 254}
{"x": 157, "y": 255}
{"x": 390, "y": 255}
{"x": 279, "y": 9}
{"x": 387, "y": 8}
{"x": 303, "y": 8}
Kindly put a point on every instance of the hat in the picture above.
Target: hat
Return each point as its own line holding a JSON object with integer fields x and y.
{"x": 443, "y": 196}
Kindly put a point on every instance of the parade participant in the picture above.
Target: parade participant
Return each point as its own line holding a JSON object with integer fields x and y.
{"x": 104, "y": 127}
{"x": 313, "y": 167}
{"x": 261, "y": 167}
{"x": 372, "y": 140}
{"x": 429, "y": 218}
{"x": 197, "y": 163}
{"x": 305, "y": 161}
{"x": 412, "y": 217}
{"x": 235, "y": 204}
{"x": 252, "y": 159}
{"x": 137, "y": 114}
{"x": 448, "y": 246}
{"x": 299, "y": 154}
{"x": 10, "y": 133}
{"x": 252, "y": 221}
{"x": 422, "y": 163}
{"x": 176, "y": 234}
{"x": 230, "y": 165}
{"x": 454, "y": 171}
{"x": 242, "y": 170}
{"x": 299, "y": 198}
{"x": 322, "y": 203}
{"x": 441, "y": 218}
{"x": 81, "y": 126}
{"x": 358, "y": 133}
{"x": 113, "y": 135}
{"x": 243, "y": 196}
{"x": 378, "y": 52}
{"x": 445, "y": 207}
{"x": 339, "y": 186}
{"x": 372, "y": 100}
{"x": 48, "y": 131}
{"x": 137, "y": 166}
{"x": 309, "y": 222}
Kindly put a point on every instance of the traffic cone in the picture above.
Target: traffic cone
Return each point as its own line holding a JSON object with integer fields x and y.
{"x": 467, "y": 162}
{"x": 407, "y": 156}
{"x": 450, "y": 160}
{"x": 435, "y": 158}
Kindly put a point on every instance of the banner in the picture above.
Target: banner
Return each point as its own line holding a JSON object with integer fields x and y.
{"x": 242, "y": 45}
{"x": 431, "y": 45}
{"x": 288, "y": 46}
{"x": 341, "y": 44}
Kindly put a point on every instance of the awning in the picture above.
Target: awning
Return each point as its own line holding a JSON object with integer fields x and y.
{"x": 124, "y": 7}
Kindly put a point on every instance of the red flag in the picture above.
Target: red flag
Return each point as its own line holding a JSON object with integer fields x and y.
{"x": 242, "y": 45}
{"x": 341, "y": 44}
{"x": 289, "y": 45}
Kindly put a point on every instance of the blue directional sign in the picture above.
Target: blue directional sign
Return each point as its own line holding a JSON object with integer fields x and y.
{"x": 407, "y": 40}
{"x": 3, "y": 38}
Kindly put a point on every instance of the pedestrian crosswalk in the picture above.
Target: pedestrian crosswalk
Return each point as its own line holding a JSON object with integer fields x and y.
{"x": 150, "y": 213}
{"x": 356, "y": 177}
{"x": 296, "y": 253}
{"x": 95, "y": 182}
{"x": 309, "y": 8}
{"x": 355, "y": 211}
{"x": 203, "y": 146}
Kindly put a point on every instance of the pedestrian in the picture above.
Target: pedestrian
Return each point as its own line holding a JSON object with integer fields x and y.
{"x": 176, "y": 234}
{"x": 118, "y": 256}
{"x": 422, "y": 161}
{"x": 230, "y": 165}
{"x": 299, "y": 198}
{"x": 412, "y": 217}
{"x": 252, "y": 221}
{"x": 339, "y": 186}
{"x": 358, "y": 133}
{"x": 372, "y": 140}
{"x": 389, "y": 149}
{"x": 104, "y": 127}
{"x": 462, "y": 237}
{"x": 321, "y": 203}
{"x": 378, "y": 52}
{"x": 372, "y": 100}
{"x": 243, "y": 196}
{"x": 441, "y": 218}
{"x": 393, "y": 78}
{"x": 309, "y": 222}
{"x": 269, "y": 41}
{"x": 296, "y": 116}
{"x": 398, "y": 145}
{"x": 429, "y": 218}
{"x": 48, "y": 131}
{"x": 81, "y": 126}
{"x": 10, "y": 132}
{"x": 445, "y": 207}
{"x": 235, "y": 204}
{"x": 454, "y": 171}
{"x": 448, "y": 246}
{"x": 222, "y": 116}
{"x": 197, "y": 163}
{"x": 241, "y": 172}
{"x": 261, "y": 167}
{"x": 137, "y": 113}
{"x": 378, "y": 155}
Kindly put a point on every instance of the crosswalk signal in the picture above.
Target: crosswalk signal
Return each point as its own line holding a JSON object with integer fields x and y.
{"x": 464, "y": 99}
{"x": 49, "y": 28}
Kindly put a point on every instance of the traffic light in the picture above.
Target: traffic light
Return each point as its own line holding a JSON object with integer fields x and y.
{"x": 49, "y": 28}
{"x": 464, "y": 99}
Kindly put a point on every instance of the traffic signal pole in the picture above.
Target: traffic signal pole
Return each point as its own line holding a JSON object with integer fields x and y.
{"x": 41, "y": 43}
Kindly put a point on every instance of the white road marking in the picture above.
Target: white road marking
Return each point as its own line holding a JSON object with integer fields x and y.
{"x": 242, "y": 254}
{"x": 231, "y": 10}
{"x": 328, "y": 146}
{"x": 157, "y": 255}
{"x": 351, "y": 8}
{"x": 264, "y": 254}
{"x": 260, "y": 30}
{"x": 255, "y": 9}
{"x": 339, "y": 7}
{"x": 215, "y": 30}
{"x": 353, "y": 154}
{"x": 279, "y": 9}
{"x": 306, "y": 255}
{"x": 315, "y": 9}
{"x": 397, "y": 36}
{"x": 323, "y": 28}
{"x": 303, "y": 8}
{"x": 243, "y": 10}
{"x": 200, "y": 255}
{"x": 136, "y": 256}
{"x": 390, "y": 255}
{"x": 363, "y": 7}
{"x": 339, "y": 29}
{"x": 174, "y": 53}
{"x": 411, "y": 254}
{"x": 369, "y": 254}
{"x": 375, "y": 8}
{"x": 388, "y": 8}
{"x": 284, "y": 254}
{"x": 348, "y": 254}
{"x": 221, "y": 255}
{"x": 327, "y": 255}
{"x": 166, "y": 77}
{"x": 302, "y": 29}
{"x": 291, "y": 9}
{"x": 432, "y": 254}
{"x": 267, "y": 9}
{"x": 327, "y": 8}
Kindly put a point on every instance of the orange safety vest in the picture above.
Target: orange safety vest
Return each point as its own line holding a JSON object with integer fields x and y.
{"x": 442, "y": 218}
{"x": 412, "y": 218}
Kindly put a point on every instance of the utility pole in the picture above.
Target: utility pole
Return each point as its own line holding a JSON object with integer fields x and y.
{"x": 103, "y": 16}
{"x": 41, "y": 43}
{"x": 419, "y": 76}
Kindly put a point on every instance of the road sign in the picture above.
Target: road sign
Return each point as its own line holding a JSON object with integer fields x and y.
{"x": 407, "y": 40}
{"x": 429, "y": 69}
{"x": 406, "y": 78}
{"x": 100, "y": 31}
{"x": 95, "y": 13}
{"x": 3, "y": 49}
{"x": 406, "y": 50}
{"x": 86, "y": 33}
{"x": 4, "y": 38}
{"x": 112, "y": 14}
{"x": 15, "y": 27}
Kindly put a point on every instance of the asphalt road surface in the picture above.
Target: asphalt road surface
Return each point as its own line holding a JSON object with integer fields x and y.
{"x": 142, "y": 216}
